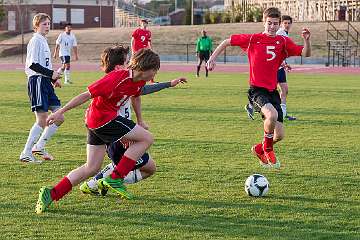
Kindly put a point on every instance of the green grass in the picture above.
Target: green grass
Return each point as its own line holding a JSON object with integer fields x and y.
{"x": 202, "y": 149}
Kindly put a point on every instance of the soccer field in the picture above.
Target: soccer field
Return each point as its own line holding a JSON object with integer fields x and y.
{"x": 202, "y": 150}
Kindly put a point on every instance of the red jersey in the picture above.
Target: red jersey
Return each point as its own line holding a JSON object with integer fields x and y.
{"x": 142, "y": 37}
{"x": 109, "y": 94}
{"x": 265, "y": 54}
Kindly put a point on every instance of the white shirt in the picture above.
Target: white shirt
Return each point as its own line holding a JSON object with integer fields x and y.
{"x": 38, "y": 51}
{"x": 125, "y": 110}
{"x": 66, "y": 42}
{"x": 282, "y": 32}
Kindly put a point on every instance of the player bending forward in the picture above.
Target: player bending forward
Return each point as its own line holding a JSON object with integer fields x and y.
{"x": 145, "y": 166}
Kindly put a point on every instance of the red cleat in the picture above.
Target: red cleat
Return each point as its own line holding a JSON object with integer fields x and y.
{"x": 271, "y": 158}
{"x": 258, "y": 151}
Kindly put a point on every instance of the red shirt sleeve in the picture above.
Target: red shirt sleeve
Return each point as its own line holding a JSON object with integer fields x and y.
{"x": 241, "y": 40}
{"x": 104, "y": 86}
{"x": 135, "y": 33}
{"x": 293, "y": 49}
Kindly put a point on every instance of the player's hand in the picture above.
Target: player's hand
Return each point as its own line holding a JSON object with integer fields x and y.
{"x": 57, "y": 83}
{"x": 54, "y": 56}
{"x": 211, "y": 64}
{"x": 305, "y": 34}
{"x": 56, "y": 75}
{"x": 54, "y": 117}
{"x": 143, "y": 124}
{"x": 287, "y": 67}
{"x": 176, "y": 81}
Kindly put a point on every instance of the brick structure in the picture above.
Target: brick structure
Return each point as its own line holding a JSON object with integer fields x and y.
{"x": 81, "y": 13}
{"x": 307, "y": 10}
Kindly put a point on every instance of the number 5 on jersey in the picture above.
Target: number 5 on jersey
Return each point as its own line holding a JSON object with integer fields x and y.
{"x": 270, "y": 51}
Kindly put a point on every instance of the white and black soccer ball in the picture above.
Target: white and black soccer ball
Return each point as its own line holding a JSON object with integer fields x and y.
{"x": 256, "y": 185}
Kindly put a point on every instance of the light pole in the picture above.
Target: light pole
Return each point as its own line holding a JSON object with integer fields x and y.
{"x": 192, "y": 12}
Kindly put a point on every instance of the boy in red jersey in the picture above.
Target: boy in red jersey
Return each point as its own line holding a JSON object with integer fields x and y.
{"x": 141, "y": 37}
{"x": 106, "y": 126}
{"x": 266, "y": 51}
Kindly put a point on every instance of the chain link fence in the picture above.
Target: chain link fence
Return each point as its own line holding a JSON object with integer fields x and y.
{"x": 179, "y": 52}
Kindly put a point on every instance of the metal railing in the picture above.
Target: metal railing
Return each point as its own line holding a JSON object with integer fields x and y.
{"x": 179, "y": 52}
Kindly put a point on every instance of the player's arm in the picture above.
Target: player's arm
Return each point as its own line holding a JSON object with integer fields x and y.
{"x": 136, "y": 104}
{"x": 148, "y": 89}
{"x": 35, "y": 49}
{"x": 197, "y": 47}
{"x": 73, "y": 103}
{"x": 305, "y": 34}
{"x": 75, "y": 49}
{"x": 132, "y": 45}
{"x": 150, "y": 44}
{"x": 56, "y": 51}
{"x": 76, "y": 56}
{"x": 212, "y": 60}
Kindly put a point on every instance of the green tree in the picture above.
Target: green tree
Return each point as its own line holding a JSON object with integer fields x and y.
{"x": 2, "y": 13}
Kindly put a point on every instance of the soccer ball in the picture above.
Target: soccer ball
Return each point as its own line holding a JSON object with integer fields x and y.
{"x": 256, "y": 185}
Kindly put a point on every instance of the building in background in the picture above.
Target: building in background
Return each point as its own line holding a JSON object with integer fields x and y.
{"x": 81, "y": 13}
{"x": 307, "y": 10}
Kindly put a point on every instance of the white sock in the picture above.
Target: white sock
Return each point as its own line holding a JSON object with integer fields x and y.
{"x": 105, "y": 172}
{"x": 60, "y": 70}
{"x": 67, "y": 75}
{"x": 46, "y": 135}
{"x": 92, "y": 183}
{"x": 133, "y": 176}
{"x": 34, "y": 134}
{"x": 283, "y": 108}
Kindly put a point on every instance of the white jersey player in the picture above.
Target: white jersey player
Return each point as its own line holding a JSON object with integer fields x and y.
{"x": 41, "y": 82}
{"x": 65, "y": 42}
{"x": 286, "y": 23}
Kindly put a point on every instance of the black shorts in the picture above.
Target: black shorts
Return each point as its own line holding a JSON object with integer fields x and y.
{"x": 281, "y": 75}
{"x": 110, "y": 132}
{"x": 258, "y": 97}
{"x": 204, "y": 55}
{"x": 116, "y": 150}
{"x": 65, "y": 59}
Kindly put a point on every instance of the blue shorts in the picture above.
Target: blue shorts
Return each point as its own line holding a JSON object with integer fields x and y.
{"x": 41, "y": 94}
{"x": 281, "y": 75}
{"x": 65, "y": 59}
{"x": 116, "y": 150}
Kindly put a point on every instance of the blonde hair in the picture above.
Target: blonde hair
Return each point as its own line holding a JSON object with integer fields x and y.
{"x": 38, "y": 18}
{"x": 145, "y": 59}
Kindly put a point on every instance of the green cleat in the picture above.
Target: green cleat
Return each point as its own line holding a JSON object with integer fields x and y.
{"x": 117, "y": 185}
{"x": 44, "y": 200}
{"x": 84, "y": 188}
{"x": 102, "y": 188}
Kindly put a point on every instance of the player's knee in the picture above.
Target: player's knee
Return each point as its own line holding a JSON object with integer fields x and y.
{"x": 91, "y": 170}
{"x": 272, "y": 115}
{"x": 152, "y": 168}
{"x": 148, "y": 138}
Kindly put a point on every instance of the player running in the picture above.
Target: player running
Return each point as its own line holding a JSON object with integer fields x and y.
{"x": 145, "y": 166}
{"x": 66, "y": 42}
{"x": 266, "y": 51}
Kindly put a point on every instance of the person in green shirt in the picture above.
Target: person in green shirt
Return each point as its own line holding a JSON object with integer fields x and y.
{"x": 203, "y": 51}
